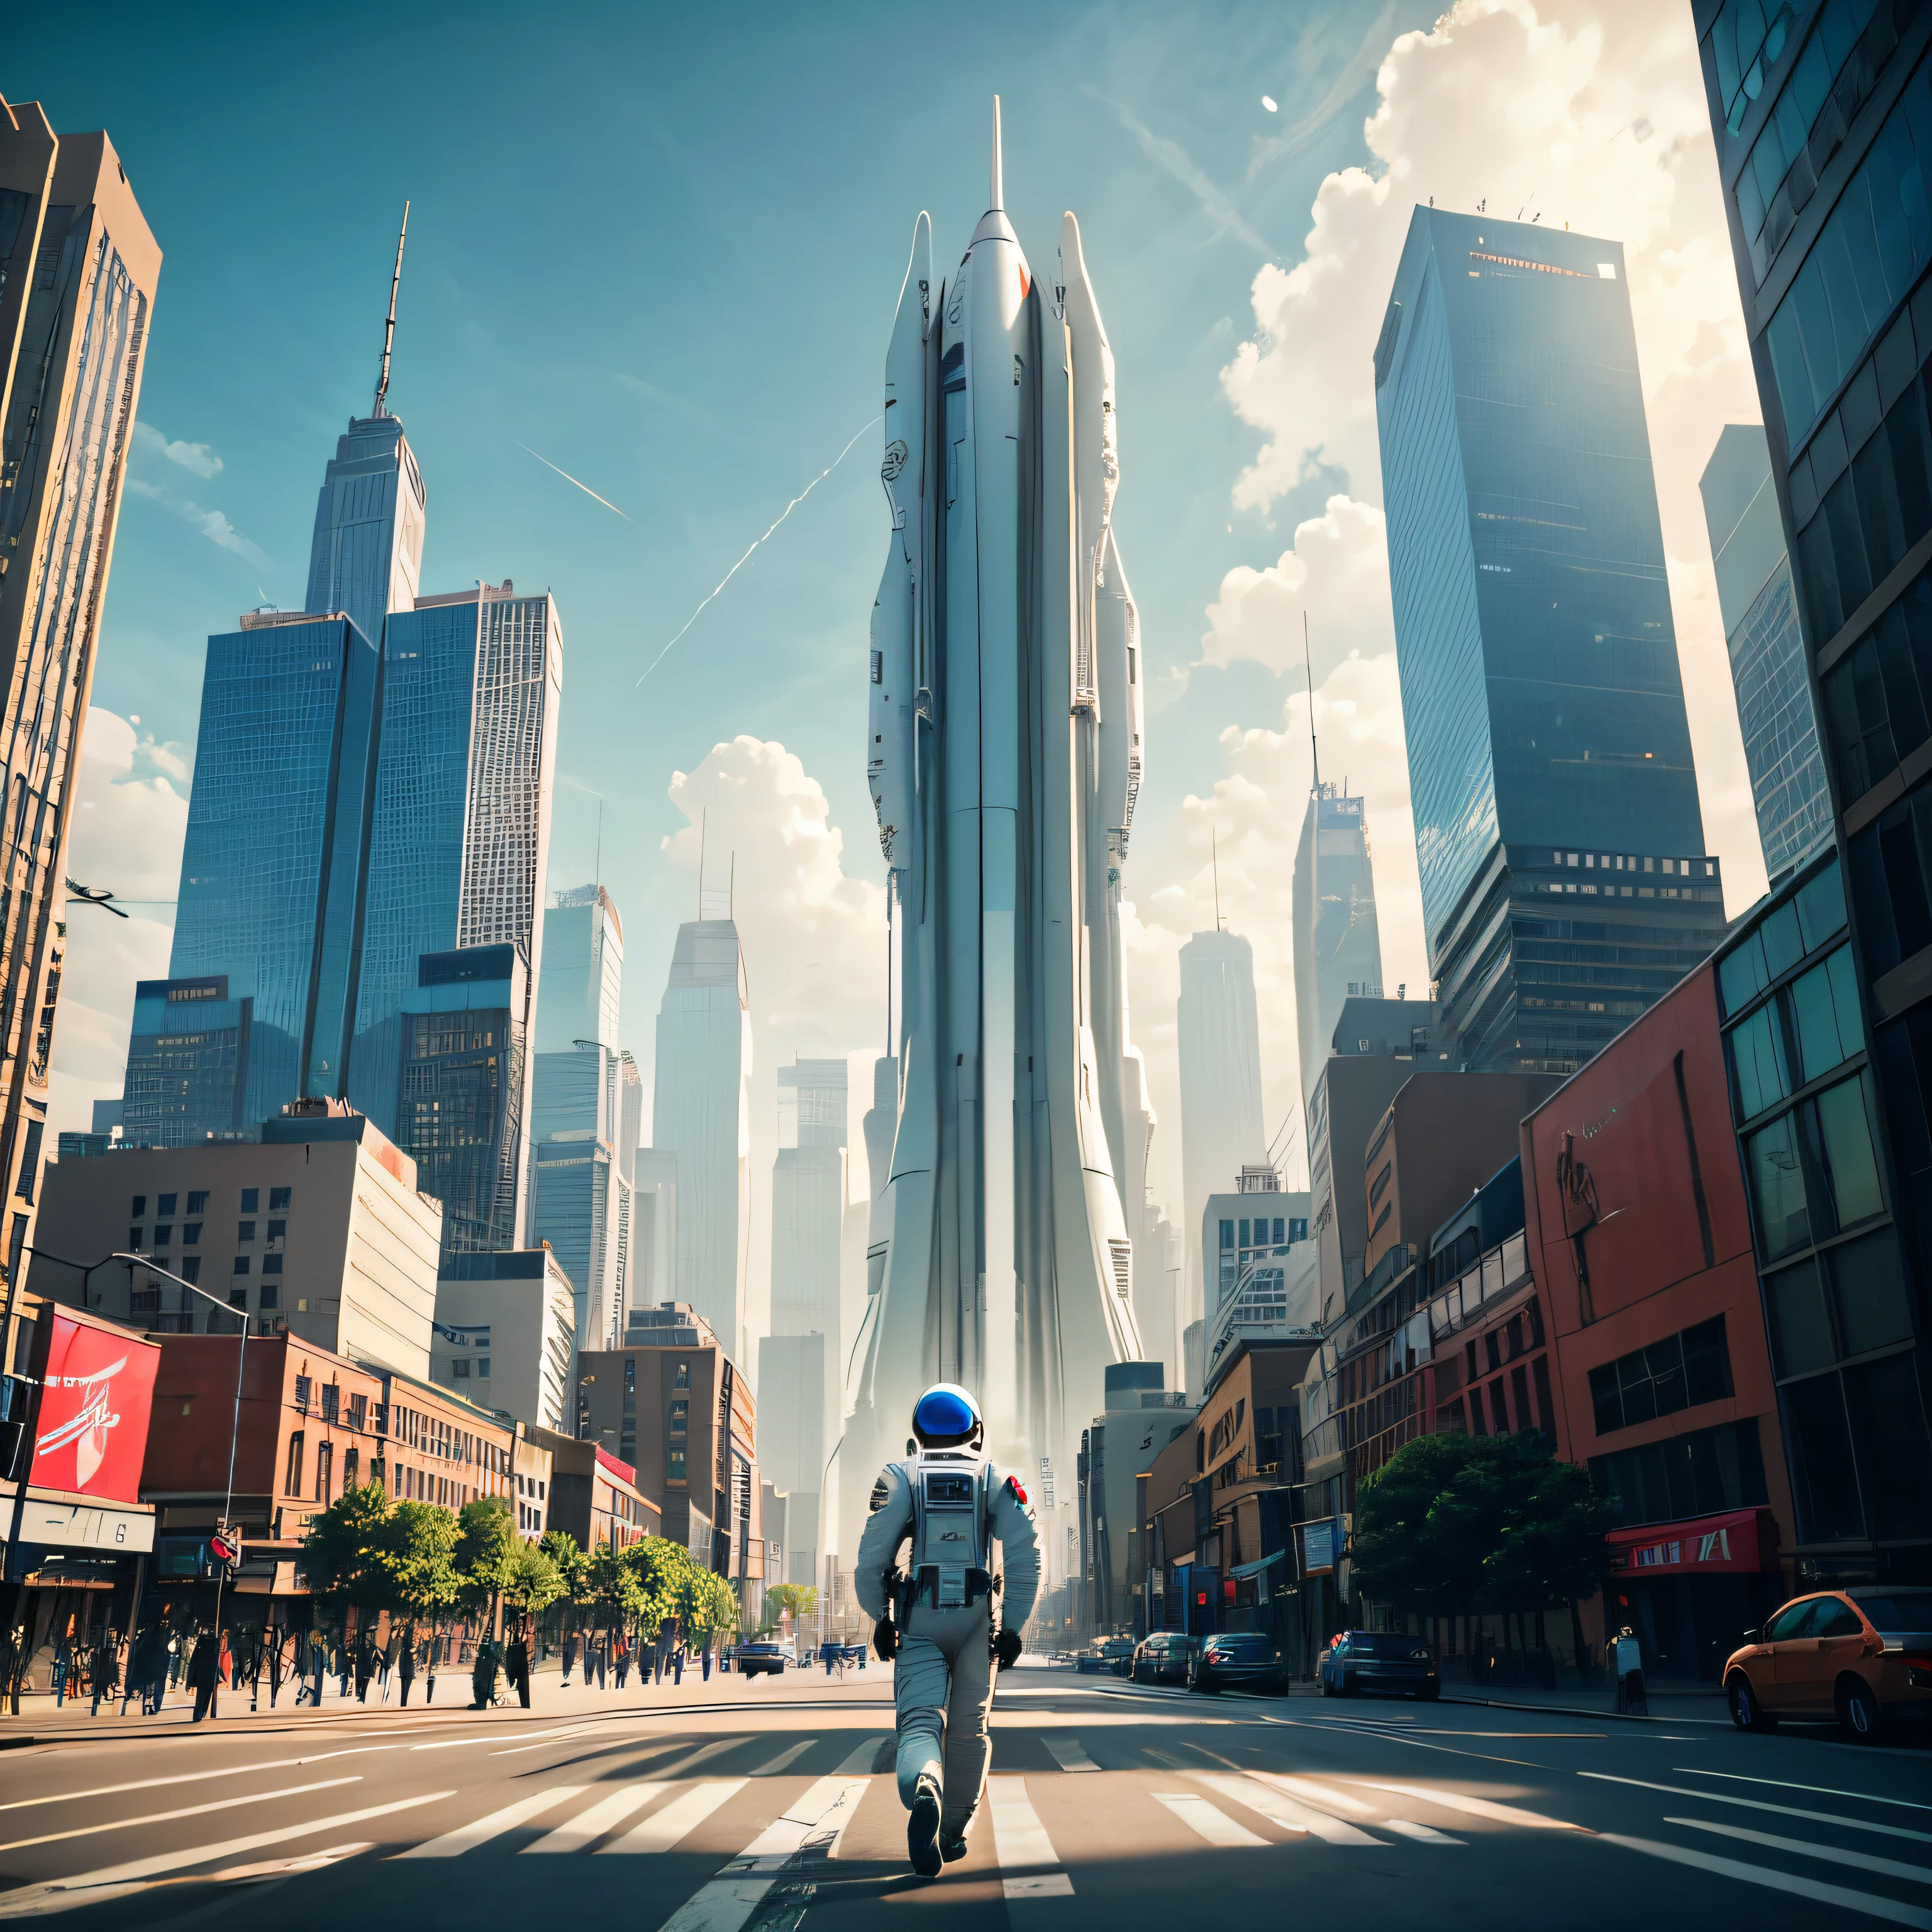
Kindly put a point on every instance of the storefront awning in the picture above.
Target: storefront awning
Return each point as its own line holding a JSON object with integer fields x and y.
{"x": 1255, "y": 1569}
{"x": 1740, "y": 1540}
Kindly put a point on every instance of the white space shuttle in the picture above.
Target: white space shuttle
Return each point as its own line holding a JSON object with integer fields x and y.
{"x": 1004, "y": 751}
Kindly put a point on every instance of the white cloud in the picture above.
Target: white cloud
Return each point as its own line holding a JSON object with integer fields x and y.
{"x": 213, "y": 524}
{"x": 814, "y": 936}
{"x": 196, "y": 457}
{"x": 126, "y": 837}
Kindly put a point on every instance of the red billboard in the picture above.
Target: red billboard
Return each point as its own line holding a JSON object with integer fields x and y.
{"x": 95, "y": 1396}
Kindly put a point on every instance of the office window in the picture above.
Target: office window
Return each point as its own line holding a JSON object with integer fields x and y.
{"x": 134, "y": 1236}
{"x": 325, "y": 1472}
{"x": 680, "y": 1418}
{"x": 197, "y": 1200}
{"x": 139, "y": 1211}
{"x": 1849, "y": 1301}
{"x": 278, "y": 1198}
{"x": 272, "y": 1264}
{"x": 460, "y": 1368}
{"x": 245, "y": 1231}
{"x": 676, "y": 1470}
{"x": 332, "y": 1401}
{"x": 190, "y": 1267}
{"x": 164, "y": 1205}
{"x": 271, "y": 1296}
{"x": 1682, "y": 1370}
{"x": 163, "y": 1236}
{"x": 483, "y": 1365}
{"x": 1227, "y": 1234}
{"x": 238, "y": 1297}
{"x": 1698, "y": 1474}
{"x": 292, "y": 1484}
{"x": 278, "y": 1231}
{"x": 682, "y": 1379}
{"x": 190, "y": 1233}
{"x": 358, "y": 1411}
{"x": 251, "y": 1200}
{"x": 241, "y": 1264}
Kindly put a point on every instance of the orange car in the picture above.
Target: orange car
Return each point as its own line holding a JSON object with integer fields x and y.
{"x": 1864, "y": 1655}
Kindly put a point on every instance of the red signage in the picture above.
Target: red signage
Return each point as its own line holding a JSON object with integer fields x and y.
{"x": 92, "y": 1433}
{"x": 1744, "y": 1540}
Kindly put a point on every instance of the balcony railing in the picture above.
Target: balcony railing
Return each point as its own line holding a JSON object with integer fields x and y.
{"x": 1499, "y": 1273}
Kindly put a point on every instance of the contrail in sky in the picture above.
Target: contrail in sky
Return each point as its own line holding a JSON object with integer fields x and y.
{"x": 569, "y": 479}
{"x": 733, "y": 571}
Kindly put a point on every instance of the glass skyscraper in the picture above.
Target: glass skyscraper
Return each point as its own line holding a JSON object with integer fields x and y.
{"x": 1549, "y": 752}
{"x": 1760, "y": 615}
{"x": 187, "y": 1059}
{"x": 365, "y": 558}
{"x": 1338, "y": 947}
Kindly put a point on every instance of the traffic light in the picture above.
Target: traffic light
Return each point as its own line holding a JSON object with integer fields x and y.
{"x": 224, "y": 1551}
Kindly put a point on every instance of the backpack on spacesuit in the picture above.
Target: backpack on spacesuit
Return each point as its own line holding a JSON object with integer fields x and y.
{"x": 952, "y": 1499}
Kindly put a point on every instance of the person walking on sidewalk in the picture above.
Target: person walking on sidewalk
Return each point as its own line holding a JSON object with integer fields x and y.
{"x": 204, "y": 1674}
{"x": 1626, "y": 1660}
{"x": 569, "y": 1657}
{"x": 384, "y": 1663}
{"x": 517, "y": 1669}
{"x": 63, "y": 1664}
{"x": 104, "y": 1675}
{"x": 406, "y": 1664}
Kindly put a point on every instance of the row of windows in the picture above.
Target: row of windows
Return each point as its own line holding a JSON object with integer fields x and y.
{"x": 1701, "y": 1473}
{"x": 1798, "y": 927}
{"x": 1813, "y": 1171}
{"x": 1848, "y": 1300}
{"x": 1610, "y": 891}
{"x": 1891, "y": 862}
{"x": 1496, "y": 1421}
{"x": 1747, "y": 38}
{"x": 1621, "y": 862}
{"x": 1811, "y": 1027}
{"x": 1868, "y": 255}
{"x": 140, "y": 1242}
{"x": 1876, "y": 708}
{"x": 1692, "y": 1366}
{"x": 279, "y": 1199}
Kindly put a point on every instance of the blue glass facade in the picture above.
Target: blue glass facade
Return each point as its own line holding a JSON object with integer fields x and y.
{"x": 1831, "y": 1044}
{"x": 1541, "y": 699}
{"x": 186, "y": 1062}
{"x": 280, "y": 702}
{"x": 366, "y": 556}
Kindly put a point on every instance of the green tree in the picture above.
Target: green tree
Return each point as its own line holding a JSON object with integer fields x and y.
{"x": 418, "y": 1552}
{"x": 573, "y": 1570}
{"x": 662, "y": 1569}
{"x": 1452, "y": 1524}
{"x": 486, "y": 1552}
{"x": 709, "y": 1607}
{"x": 801, "y": 1599}
{"x": 341, "y": 1558}
{"x": 534, "y": 1583}
{"x": 615, "y": 1599}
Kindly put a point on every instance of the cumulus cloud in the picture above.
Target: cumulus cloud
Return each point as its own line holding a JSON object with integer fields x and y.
{"x": 213, "y": 524}
{"x": 814, "y": 936}
{"x": 126, "y": 837}
{"x": 196, "y": 457}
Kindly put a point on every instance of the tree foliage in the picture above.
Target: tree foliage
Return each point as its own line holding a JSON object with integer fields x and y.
{"x": 487, "y": 1543}
{"x": 1452, "y": 1524}
{"x": 418, "y": 1555}
{"x": 709, "y": 1606}
{"x": 342, "y": 1554}
{"x": 801, "y": 1599}
{"x": 617, "y": 1600}
{"x": 536, "y": 1582}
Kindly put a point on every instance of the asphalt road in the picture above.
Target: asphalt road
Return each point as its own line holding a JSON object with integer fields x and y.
{"x": 747, "y": 1807}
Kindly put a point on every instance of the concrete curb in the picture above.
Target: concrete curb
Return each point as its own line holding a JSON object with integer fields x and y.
{"x": 1584, "y": 1711}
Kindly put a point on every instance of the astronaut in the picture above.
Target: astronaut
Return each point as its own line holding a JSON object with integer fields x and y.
{"x": 949, "y": 1616}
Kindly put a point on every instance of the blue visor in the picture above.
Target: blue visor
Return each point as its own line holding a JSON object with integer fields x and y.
{"x": 940, "y": 1412}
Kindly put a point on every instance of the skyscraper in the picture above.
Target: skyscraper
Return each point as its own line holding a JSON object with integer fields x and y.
{"x": 701, "y": 1115}
{"x": 1221, "y": 1130}
{"x": 584, "y": 1150}
{"x": 1760, "y": 614}
{"x": 798, "y": 1361}
{"x": 1338, "y": 947}
{"x": 1549, "y": 752}
{"x": 187, "y": 1062}
{"x": 78, "y": 270}
{"x": 459, "y": 835}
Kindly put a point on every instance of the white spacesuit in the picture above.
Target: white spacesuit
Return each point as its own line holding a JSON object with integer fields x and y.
{"x": 939, "y": 1616}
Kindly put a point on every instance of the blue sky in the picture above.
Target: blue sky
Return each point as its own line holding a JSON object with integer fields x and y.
{"x": 662, "y": 247}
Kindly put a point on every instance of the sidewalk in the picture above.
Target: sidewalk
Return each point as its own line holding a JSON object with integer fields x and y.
{"x": 1675, "y": 1703}
{"x": 40, "y": 1723}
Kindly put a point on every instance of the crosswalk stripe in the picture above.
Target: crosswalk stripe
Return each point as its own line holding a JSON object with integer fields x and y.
{"x": 187, "y": 1811}
{"x": 480, "y": 1831}
{"x": 1069, "y": 1753}
{"x": 858, "y": 1763}
{"x": 595, "y": 1820}
{"x": 677, "y": 1767}
{"x": 1476, "y": 1807}
{"x": 1838, "y": 1818}
{"x": 772, "y": 1766}
{"x": 812, "y": 1827}
{"x": 1895, "y": 1909}
{"x": 1206, "y": 1820}
{"x": 1020, "y": 1840}
{"x": 1804, "y": 1848}
{"x": 681, "y": 1816}
{"x": 85, "y": 1887}
{"x": 1422, "y": 1834}
{"x": 1318, "y": 1794}
{"x": 1288, "y": 1812}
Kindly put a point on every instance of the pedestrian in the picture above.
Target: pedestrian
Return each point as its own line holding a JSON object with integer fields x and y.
{"x": 829, "y": 1651}
{"x": 569, "y": 1657}
{"x": 1627, "y": 1660}
{"x": 63, "y": 1664}
{"x": 623, "y": 1659}
{"x": 318, "y": 1669}
{"x": 364, "y": 1657}
{"x": 516, "y": 1668}
{"x": 104, "y": 1677}
{"x": 677, "y": 1665}
{"x": 272, "y": 1656}
{"x": 483, "y": 1672}
{"x": 344, "y": 1664}
{"x": 385, "y": 1664}
{"x": 435, "y": 1649}
{"x": 204, "y": 1673}
{"x": 603, "y": 1661}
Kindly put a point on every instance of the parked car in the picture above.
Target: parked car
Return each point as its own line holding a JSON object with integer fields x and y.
{"x": 1239, "y": 1660}
{"x": 1106, "y": 1657}
{"x": 1166, "y": 1656}
{"x": 753, "y": 1659}
{"x": 1863, "y": 1656}
{"x": 1359, "y": 1660}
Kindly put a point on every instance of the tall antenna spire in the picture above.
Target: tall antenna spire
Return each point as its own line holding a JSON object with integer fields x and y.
{"x": 1314, "y": 750}
{"x": 999, "y": 199}
{"x": 389, "y": 327}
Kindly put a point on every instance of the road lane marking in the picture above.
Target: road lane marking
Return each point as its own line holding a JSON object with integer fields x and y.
{"x": 677, "y": 1767}
{"x": 85, "y": 1887}
{"x": 683, "y": 1815}
{"x": 1280, "y": 1809}
{"x": 187, "y": 1811}
{"x": 1868, "y": 1902}
{"x": 591, "y": 1823}
{"x": 1784, "y": 1784}
{"x": 809, "y": 1831}
{"x": 859, "y": 1762}
{"x": 1205, "y": 1820}
{"x": 772, "y": 1766}
{"x": 287, "y": 1868}
{"x": 1020, "y": 1840}
{"x": 1319, "y": 1794}
{"x": 1804, "y": 1848}
{"x": 187, "y": 1778}
{"x": 563, "y": 1727}
{"x": 480, "y": 1831}
{"x": 1764, "y": 1804}
{"x": 1476, "y": 1807}
{"x": 1069, "y": 1753}
{"x": 1422, "y": 1834}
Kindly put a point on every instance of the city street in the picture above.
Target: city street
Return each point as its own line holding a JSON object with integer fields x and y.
{"x": 759, "y": 1804}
